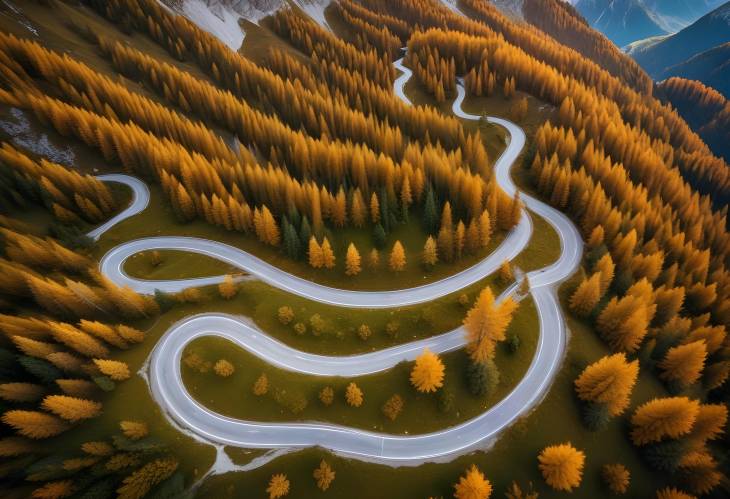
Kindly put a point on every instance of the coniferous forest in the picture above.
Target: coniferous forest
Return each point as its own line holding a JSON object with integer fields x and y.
{"x": 356, "y": 248}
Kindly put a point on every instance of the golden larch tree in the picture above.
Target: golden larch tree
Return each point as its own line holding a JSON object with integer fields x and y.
{"x": 562, "y": 466}
{"x": 134, "y": 430}
{"x": 34, "y": 424}
{"x": 427, "y": 374}
{"x": 430, "y": 253}
{"x": 328, "y": 255}
{"x": 710, "y": 423}
{"x": 616, "y": 477}
{"x": 324, "y": 475}
{"x": 608, "y": 381}
{"x": 397, "y": 260}
{"x": 660, "y": 418}
{"x": 505, "y": 272}
{"x": 71, "y": 408}
{"x": 115, "y": 369}
{"x": 586, "y": 296}
{"x": 683, "y": 364}
{"x": 354, "y": 395}
{"x": 473, "y": 485}
{"x": 486, "y": 323}
{"x": 142, "y": 480}
{"x": 673, "y": 493}
{"x": 261, "y": 385}
{"x": 278, "y": 486}
{"x": 352, "y": 261}
{"x": 227, "y": 289}
{"x": 316, "y": 258}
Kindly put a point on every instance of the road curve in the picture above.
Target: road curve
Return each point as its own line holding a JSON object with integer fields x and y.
{"x": 168, "y": 389}
{"x": 140, "y": 200}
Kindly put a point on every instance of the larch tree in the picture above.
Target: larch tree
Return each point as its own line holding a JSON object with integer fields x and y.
{"x": 21, "y": 392}
{"x": 352, "y": 261}
{"x": 427, "y": 374}
{"x": 227, "y": 289}
{"x": 673, "y": 493}
{"x": 328, "y": 256}
{"x": 142, "y": 480}
{"x": 608, "y": 381}
{"x": 323, "y": 475}
{"x": 485, "y": 229}
{"x": 261, "y": 385}
{"x": 34, "y": 424}
{"x": 710, "y": 423}
{"x": 606, "y": 267}
{"x": 683, "y": 364}
{"x": 586, "y": 296}
{"x": 71, "y": 408}
{"x": 616, "y": 477}
{"x": 316, "y": 258}
{"x": 505, "y": 272}
{"x": 430, "y": 253}
{"x": 486, "y": 323}
{"x": 374, "y": 208}
{"x": 353, "y": 395}
{"x": 397, "y": 260}
{"x": 134, "y": 430}
{"x": 115, "y": 369}
{"x": 278, "y": 486}
{"x": 562, "y": 466}
{"x": 624, "y": 322}
{"x": 473, "y": 485}
{"x": 660, "y": 418}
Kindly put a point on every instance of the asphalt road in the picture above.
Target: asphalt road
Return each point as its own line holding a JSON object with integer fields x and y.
{"x": 165, "y": 362}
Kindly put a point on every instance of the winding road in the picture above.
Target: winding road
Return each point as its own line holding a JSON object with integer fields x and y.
{"x": 164, "y": 364}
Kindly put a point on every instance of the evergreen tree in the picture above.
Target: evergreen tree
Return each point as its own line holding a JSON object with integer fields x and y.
{"x": 379, "y": 236}
{"x": 482, "y": 377}
{"x": 430, "y": 213}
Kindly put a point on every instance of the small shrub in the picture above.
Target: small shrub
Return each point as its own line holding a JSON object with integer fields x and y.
{"x": 285, "y": 315}
{"x": 294, "y": 402}
{"x": 261, "y": 385}
{"x": 317, "y": 323}
{"x": 391, "y": 328}
{"x": 482, "y": 378}
{"x": 364, "y": 332}
{"x": 393, "y": 407}
{"x": 446, "y": 401}
{"x": 223, "y": 368}
{"x": 513, "y": 342}
{"x": 327, "y": 395}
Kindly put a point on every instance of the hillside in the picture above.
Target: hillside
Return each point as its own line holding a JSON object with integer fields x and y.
{"x": 297, "y": 249}
{"x": 711, "y": 67}
{"x": 627, "y": 21}
{"x": 622, "y": 21}
{"x": 709, "y": 31}
{"x": 704, "y": 108}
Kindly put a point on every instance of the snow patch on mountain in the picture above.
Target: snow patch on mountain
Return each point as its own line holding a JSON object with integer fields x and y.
{"x": 315, "y": 10}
